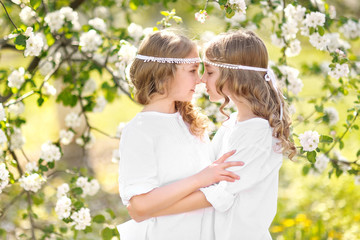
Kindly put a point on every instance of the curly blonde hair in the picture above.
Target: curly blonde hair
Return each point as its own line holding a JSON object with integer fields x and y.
{"x": 245, "y": 48}
{"x": 150, "y": 78}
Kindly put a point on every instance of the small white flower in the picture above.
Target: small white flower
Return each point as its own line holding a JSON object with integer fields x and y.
{"x": 321, "y": 162}
{"x": 100, "y": 104}
{"x": 98, "y": 23}
{"x": 50, "y": 152}
{"x": 291, "y": 74}
{"x": 294, "y": 48}
{"x": 4, "y": 176}
{"x": 27, "y": 16}
{"x": 2, "y": 113}
{"x": 89, "y": 87}
{"x": 309, "y": 140}
{"x": 90, "y": 140}
{"x": 63, "y": 207}
{"x": 120, "y": 129}
{"x": 3, "y": 138}
{"x": 31, "y": 166}
{"x": 16, "y": 78}
{"x": 127, "y": 52}
{"x": 16, "y": 139}
{"x": 332, "y": 115}
{"x": 66, "y": 137}
{"x": 335, "y": 42}
{"x": 55, "y": 20}
{"x": 238, "y": 5}
{"x": 69, "y": 14}
{"x": 90, "y": 41}
{"x": 101, "y": 12}
{"x": 314, "y": 19}
{"x": 292, "y": 109}
{"x": 16, "y": 108}
{"x": 72, "y": 120}
{"x": 135, "y": 31}
{"x": 62, "y": 190}
{"x": 350, "y": 29}
{"x": 49, "y": 89}
{"x": 32, "y": 182}
{"x": 82, "y": 219}
{"x": 201, "y": 16}
{"x": 339, "y": 71}
{"x": 319, "y": 42}
{"x": 295, "y": 13}
{"x": 279, "y": 42}
{"x": 289, "y": 30}
{"x": 46, "y": 68}
{"x": 148, "y": 31}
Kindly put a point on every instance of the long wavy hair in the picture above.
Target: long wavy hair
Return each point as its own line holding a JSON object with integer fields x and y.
{"x": 151, "y": 78}
{"x": 245, "y": 48}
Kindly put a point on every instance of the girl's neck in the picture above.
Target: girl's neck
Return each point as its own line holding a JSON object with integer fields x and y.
{"x": 244, "y": 110}
{"x": 160, "y": 104}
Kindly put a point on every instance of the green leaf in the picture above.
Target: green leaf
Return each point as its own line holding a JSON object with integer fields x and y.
{"x": 358, "y": 153}
{"x": 49, "y": 229}
{"x": 326, "y": 139}
{"x": 35, "y": 3}
{"x": 306, "y": 170}
{"x": 112, "y": 214}
{"x": 341, "y": 144}
{"x": 311, "y": 156}
{"x": 63, "y": 229}
{"x": 2, "y": 232}
{"x": 106, "y": 234}
{"x": 51, "y": 165}
{"x": 43, "y": 168}
{"x": 20, "y": 40}
{"x": 99, "y": 219}
{"x": 78, "y": 204}
{"x": 319, "y": 108}
{"x": 37, "y": 200}
{"x": 222, "y": 2}
{"x": 321, "y": 31}
{"x": 77, "y": 190}
{"x": 88, "y": 229}
{"x": 40, "y": 101}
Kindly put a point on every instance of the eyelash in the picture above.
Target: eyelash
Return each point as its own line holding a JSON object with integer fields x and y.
{"x": 193, "y": 71}
{"x": 209, "y": 73}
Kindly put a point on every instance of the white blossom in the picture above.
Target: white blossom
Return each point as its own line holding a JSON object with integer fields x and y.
{"x": 335, "y": 42}
{"x": 321, "y": 162}
{"x": 55, "y": 20}
{"x": 16, "y": 78}
{"x": 201, "y": 16}
{"x": 291, "y": 74}
{"x": 34, "y": 45}
{"x": 295, "y": 13}
{"x": 135, "y": 31}
{"x": 98, "y": 23}
{"x": 90, "y": 41}
{"x": 332, "y": 115}
{"x": 3, "y": 138}
{"x": 18, "y": 2}
{"x": 309, "y": 140}
{"x": 119, "y": 129}
{"x": 289, "y": 30}
{"x": 238, "y": 5}
{"x": 63, "y": 207}
{"x": 236, "y": 19}
{"x": 31, "y": 166}
{"x": 50, "y": 152}
{"x": 72, "y": 120}
{"x": 46, "y": 67}
{"x": 350, "y": 29}
{"x": 339, "y": 71}
{"x": 62, "y": 190}
{"x": 16, "y": 108}
{"x": 66, "y": 137}
{"x": 293, "y": 49}
{"x": 89, "y": 187}
{"x": 4, "y": 176}
{"x": 90, "y": 140}
{"x": 82, "y": 219}
{"x": 314, "y": 19}
{"x": 89, "y": 87}
{"x": 69, "y": 14}
{"x": 319, "y": 4}
{"x": 101, "y": 12}
{"x": 292, "y": 109}
{"x": 2, "y": 112}
{"x": 279, "y": 42}
{"x": 27, "y": 15}
{"x": 100, "y": 104}
{"x": 16, "y": 139}
{"x": 49, "y": 89}
{"x": 32, "y": 182}
{"x": 319, "y": 42}
{"x": 127, "y": 52}
{"x": 332, "y": 12}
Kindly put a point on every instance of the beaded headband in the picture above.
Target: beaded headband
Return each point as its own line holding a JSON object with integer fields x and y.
{"x": 168, "y": 60}
{"x": 269, "y": 76}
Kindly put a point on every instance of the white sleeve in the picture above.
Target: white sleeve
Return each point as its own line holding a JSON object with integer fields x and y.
{"x": 138, "y": 166}
{"x": 221, "y": 196}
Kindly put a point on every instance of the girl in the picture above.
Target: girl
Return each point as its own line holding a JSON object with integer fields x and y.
{"x": 236, "y": 68}
{"x": 159, "y": 145}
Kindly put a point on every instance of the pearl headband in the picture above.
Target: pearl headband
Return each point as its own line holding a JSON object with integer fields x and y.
{"x": 269, "y": 76}
{"x": 168, "y": 60}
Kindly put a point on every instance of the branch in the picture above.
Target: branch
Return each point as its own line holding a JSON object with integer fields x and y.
{"x": 30, "y": 216}
{"x": 75, "y": 4}
{"x": 8, "y": 15}
{"x": 13, "y": 201}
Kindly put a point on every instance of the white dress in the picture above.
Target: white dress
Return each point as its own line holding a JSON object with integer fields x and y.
{"x": 157, "y": 149}
{"x": 245, "y": 208}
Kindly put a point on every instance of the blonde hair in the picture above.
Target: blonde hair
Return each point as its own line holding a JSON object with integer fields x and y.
{"x": 150, "y": 78}
{"x": 245, "y": 48}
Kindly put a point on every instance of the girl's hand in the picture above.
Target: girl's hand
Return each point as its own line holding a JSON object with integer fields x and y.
{"x": 216, "y": 171}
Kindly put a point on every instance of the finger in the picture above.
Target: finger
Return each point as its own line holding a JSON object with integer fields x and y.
{"x": 230, "y": 174}
{"x": 228, "y": 179}
{"x": 225, "y": 156}
{"x": 231, "y": 164}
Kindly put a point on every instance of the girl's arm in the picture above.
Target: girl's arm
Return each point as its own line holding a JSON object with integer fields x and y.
{"x": 194, "y": 201}
{"x": 145, "y": 205}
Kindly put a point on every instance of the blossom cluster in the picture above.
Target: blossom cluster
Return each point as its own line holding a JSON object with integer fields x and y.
{"x": 50, "y": 152}
{"x": 32, "y": 182}
{"x": 4, "y": 176}
{"x": 309, "y": 140}
{"x": 88, "y": 187}
{"x": 238, "y": 5}
{"x": 290, "y": 74}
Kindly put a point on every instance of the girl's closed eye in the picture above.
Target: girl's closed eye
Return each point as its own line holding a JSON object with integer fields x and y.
{"x": 209, "y": 73}
{"x": 193, "y": 71}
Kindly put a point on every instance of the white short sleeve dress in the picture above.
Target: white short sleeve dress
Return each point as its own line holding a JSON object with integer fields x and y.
{"x": 157, "y": 149}
{"x": 244, "y": 209}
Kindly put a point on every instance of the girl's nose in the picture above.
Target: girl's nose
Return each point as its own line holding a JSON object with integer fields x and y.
{"x": 203, "y": 80}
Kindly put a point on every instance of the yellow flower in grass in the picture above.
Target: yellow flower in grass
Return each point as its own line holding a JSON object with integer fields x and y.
{"x": 314, "y": 238}
{"x": 276, "y": 229}
{"x": 334, "y": 235}
{"x": 288, "y": 222}
{"x": 357, "y": 218}
{"x": 301, "y": 217}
